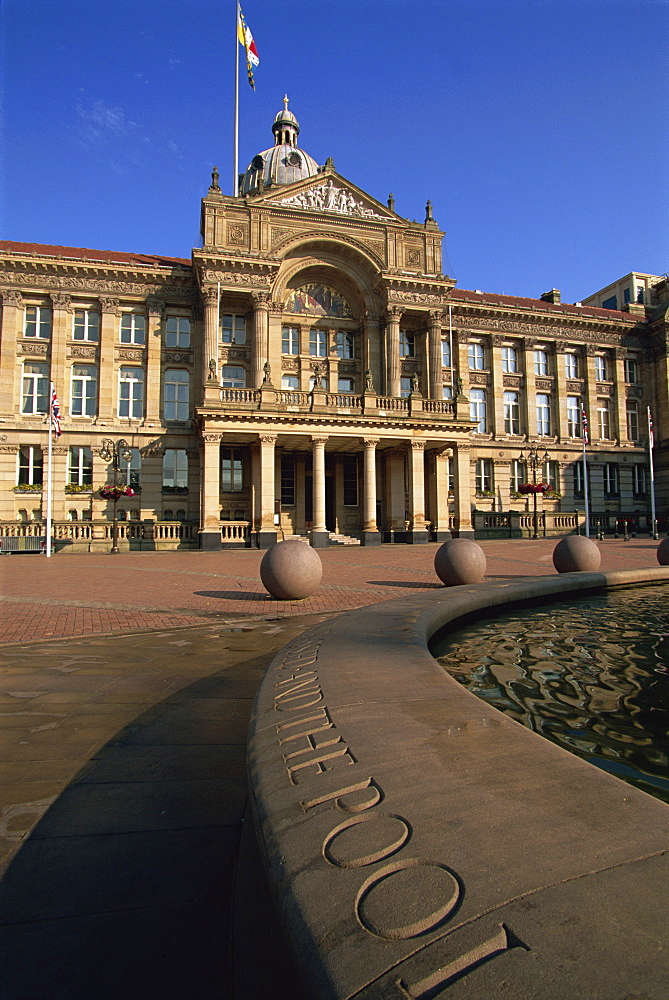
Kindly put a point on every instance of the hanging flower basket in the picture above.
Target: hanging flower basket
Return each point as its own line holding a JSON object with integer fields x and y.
{"x": 533, "y": 488}
{"x": 115, "y": 492}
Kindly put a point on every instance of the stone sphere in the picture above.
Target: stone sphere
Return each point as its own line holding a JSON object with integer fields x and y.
{"x": 576, "y": 554}
{"x": 460, "y": 561}
{"x": 663, "y": 552}
{"x": 291, "y": 570}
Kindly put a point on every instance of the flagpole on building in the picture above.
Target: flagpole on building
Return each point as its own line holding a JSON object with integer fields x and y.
{"x": 235, "y": 175}
{"x": 450, "y": 343}
{"x": 653, "y": 520}
{"x": 49, "y": 479}
{"x": 586, "y": 437}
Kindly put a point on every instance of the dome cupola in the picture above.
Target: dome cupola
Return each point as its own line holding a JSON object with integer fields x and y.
{"x": 284, "y": 163}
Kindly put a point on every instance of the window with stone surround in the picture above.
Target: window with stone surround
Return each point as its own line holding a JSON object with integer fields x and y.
{"x": 574, "y": 416}
{"x": 445, "y": 354}
{"x": 509, "y": 360}
{"x": 29, "y": 466}
{"x": 571, "y": 364}
{"x": 541, "y": 362}
{"x": 611, "y": 479}
{"x": 133, "y": 328}
{"x": 175, "y": 469}
{"x": 177, "y": 390}
{"x": 38, "y": 322}
{"x": 511, "y": 413}
{"x": 84, "y": 391}
{"x": 86, "y": 325}
{"x": 632, "y": 414}
{"x": 601, "y": 369}
{"x": 484, "y": 475}
{"x": 177, "y": 331}
{"x": 604, "y": 419}
{"x": 233, "y": 328}
{"x": 131, "y": 393}
{"x": 233, "y": 377}
{"x": 476, "y": 357}
{"x": 80, "y": 467}
{"x": 35, "y": 390}
{"x": 345, "y": 343}
{"x": 407, "y": 344}
{"x": 232, "y": 469}
{"x": 318, "y": 343}
{"x": 477, "y": 410}
{"x": 290, "y": 340}
{"x": 543, "y": 414}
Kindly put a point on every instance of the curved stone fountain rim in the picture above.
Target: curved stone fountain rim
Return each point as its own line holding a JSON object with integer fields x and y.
{"x": 419, "y": 842}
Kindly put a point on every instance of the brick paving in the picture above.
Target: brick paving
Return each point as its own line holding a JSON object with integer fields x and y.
{"x": 101, "y": 594}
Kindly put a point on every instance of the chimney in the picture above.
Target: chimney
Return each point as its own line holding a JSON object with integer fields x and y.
{"x": 552, "y": 296}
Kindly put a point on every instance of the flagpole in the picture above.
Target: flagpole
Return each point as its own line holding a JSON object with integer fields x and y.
{"x": 450, "y": 343}
{"x": 235, "y": 176}
{"x": 653, "y": 523}
{"x": 585, "y": 487}
{"x": 49, "y": 483}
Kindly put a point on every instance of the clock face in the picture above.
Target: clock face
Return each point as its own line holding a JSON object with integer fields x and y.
{"x": 294, "y": 159}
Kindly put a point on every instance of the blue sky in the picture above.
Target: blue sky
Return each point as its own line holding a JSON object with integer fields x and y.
{"x": 537, "y": 128}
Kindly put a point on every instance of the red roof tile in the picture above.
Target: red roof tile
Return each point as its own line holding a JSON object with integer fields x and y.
{"x": 103, "y": 256}
{"x": 540, "y": 305}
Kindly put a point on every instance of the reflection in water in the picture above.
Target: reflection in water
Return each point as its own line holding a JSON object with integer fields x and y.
{"x": 591, "y": 675}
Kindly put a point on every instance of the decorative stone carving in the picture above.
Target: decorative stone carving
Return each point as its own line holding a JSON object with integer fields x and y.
{"x": 260, "y": 300}
{"x": 278, "y": 235}
{"x": 413, "y": 257}
{"x": 575, "y": 385}
{"x": 155, "y": 307}
{"x": 498, "y": 339}
{"x": 394, "y": 313}
{"x": 418, "y": 298}
{"x": 327, "y": 197}
{"x": 512, "y": 381}
{"x": 603, "y": 389}
{"x": 12, "y": 297}
{"x": 478, "y": 378}
{"x": 210, "y": 295}
{"x": 633, "y": 391}
{"x": 128, "y": 354}
{"x": 60, "y": 300}
{"x": 544, "y": 384}
{"x": 92, "y": 284}
{"x": 211, "y": 438}
{"x": 83, "y": 352}
{"x": 176, "y": 358}
{"x": 288, "y": 366}
{"x": 33, "y": 347}
{"x": 109, "y": 306}
{"x": 238, "y": 234}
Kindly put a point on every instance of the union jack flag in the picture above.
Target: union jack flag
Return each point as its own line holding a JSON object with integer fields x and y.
{"x": 651, "y": 437}
{"x": 55, "y": 412}
{"x": 584, "y": 421}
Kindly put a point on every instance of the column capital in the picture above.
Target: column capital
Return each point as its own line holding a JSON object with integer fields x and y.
{"x": 61, "y": 300}
{"x": 319, "y": 441}
{"x": 267, "y": 438}
{"x": 210, "y": 295}
{"x": 418, "y": 446}
{"x": 155, "y": 307}
{"x": 261, "y": 300}
{"x": 109, "y": 306}
{"x": 11, "y": 297}
{"x": 371, "y": 442}
{"x": 211, "y": 438}
{"x": 394, "y": 313}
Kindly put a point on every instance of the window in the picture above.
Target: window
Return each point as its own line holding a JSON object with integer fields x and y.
{"x": 345, "y": 385}
{"x": 447, "y": 392}
{"x": 511, "y": 413}
{"x": 84, "y": 398}
{"x": 38, "y": 322}
{"x": 318, "y": 343}
{"x": 626, "y": 295}
{"x": 509, "y": 359}
{"x": 233, "y": 377}
{"x": 610, "y": 303}
{"x": 476, "y": 355}
{"x": 131, "y": 393}
{"x": 287, "y": 479}
{"x": 541, "y": 362}
{"x": 574, "y": 416}
{"x": 81, "y": 467}
{"x": 35, "y": 388}
{"x": 350, "y": 481}
{"x": 601, "y": 373}
{"x": 175, "y": 470}
{"x": 176, "y": 394}
{"x": 131, "y": 468}
{"x": 133, "y": 328}
{"x": 30, "y": 466}
{"x": 611, "y": 481}
{"x": 550, "y": 473}
{"x": 233, "y": 329}
{"x": 445, "y": 354}
{"x": 407, "y": 344}
{"x": 312, "y": 383}
{"x": 405, "y": 387}
{"x": 604, "y": 419}
{"x": 483, "y": 475}
{"x": 631, "y": 370}
{"x": 571, "y": 365}
{"x": 639, "y": 479}
{"x": 177, "y": 331}
{"x": 543, "y": 414}
{"x": 345, "y": 346}
{"x": 290, "y": 340}
{"x": 86, "y": 325}
{"x": 579, "y": 480}
{"x": 477, "y": 410}
{"x": 632, "y": 414}
{"x": 639, "y": 294}
{"x": 290, "y": 382}
{"x": 231, "y": 470}
{"x": 518, "y": 474}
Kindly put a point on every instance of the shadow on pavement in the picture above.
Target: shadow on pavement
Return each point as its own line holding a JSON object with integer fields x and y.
{"x": 125, "y": 886}
{"x": 235, "y": 595}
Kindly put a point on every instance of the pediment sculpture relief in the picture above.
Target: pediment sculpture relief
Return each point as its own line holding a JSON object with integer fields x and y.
{"x": 327, "y": 197}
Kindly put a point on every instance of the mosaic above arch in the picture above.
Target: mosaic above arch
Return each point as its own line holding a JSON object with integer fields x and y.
{"x": 318, "y": 299}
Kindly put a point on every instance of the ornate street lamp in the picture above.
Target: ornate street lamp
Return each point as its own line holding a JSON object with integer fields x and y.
{"x": 534, "y": 462}
{"x": 113, "y": 452}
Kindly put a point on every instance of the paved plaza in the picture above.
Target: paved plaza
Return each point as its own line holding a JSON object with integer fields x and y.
{"x": 126, "y": 686}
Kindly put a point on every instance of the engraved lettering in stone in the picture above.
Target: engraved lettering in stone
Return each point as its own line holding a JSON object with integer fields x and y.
{"x": 322, "y": 763}
{"x": 319, "y": 714}
{"x": 421, "y": 894}
{"x": 372, "y": 798}
{"x": 323, "y": 723}
{"x": 297, "y": 682}
{"x": 313, "y": 743}
{"x": 424, "y": 988}
{"x": 364, "y": 840}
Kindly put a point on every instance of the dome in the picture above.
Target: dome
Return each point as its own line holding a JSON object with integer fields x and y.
{"x": 284, "y": 163}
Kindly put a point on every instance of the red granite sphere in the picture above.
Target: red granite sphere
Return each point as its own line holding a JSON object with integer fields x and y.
{"x": 460, "y": 561}
{"x": 663, "y": 552}
{"x": 576, "y": 554}
{"x": 291, "y": 570}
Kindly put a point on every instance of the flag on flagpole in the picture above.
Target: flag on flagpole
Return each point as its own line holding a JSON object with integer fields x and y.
{"x": 584, "y": 421}
{"x": 55, "y": 412}
{"x": 651, "y": 437}
{"x": 246, "y": 39}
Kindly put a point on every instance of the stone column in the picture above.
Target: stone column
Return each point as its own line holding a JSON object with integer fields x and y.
{"x": 319, "y": 533}
{"x": 463, "y": 501}
{"x": 393, "y": 317}
{"x": 590, "y": 400}
{"x": 438, "y": 486}
{"x": 61, "y": 332}
{"x": 10, "y": 371}
{"x": 395, "y": 494}
{"x": 267, "y": 530}
{"x": 260, "y": 336}
{"x": 210, "y": 492}
{"x": 210, "y": 373}
{"x": 153, "y": 352}
{"x": 370, "y": 532}
{"x": 108, "y": 374}
{"x": 434, "y": 354}
{"x": 619, "y": 418}
{"x": 418, "y": 533}
{"x": 559, "y": 398}
{"x": 495, "y": 391}
{"x": 528, "y": 406}
{"x": 371, "y": 359}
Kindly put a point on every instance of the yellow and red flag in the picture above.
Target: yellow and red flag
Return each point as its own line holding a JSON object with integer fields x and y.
{"x": 246, "y": 39}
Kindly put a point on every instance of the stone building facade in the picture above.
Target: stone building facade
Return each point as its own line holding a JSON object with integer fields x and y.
{"x": 310, "y": 369}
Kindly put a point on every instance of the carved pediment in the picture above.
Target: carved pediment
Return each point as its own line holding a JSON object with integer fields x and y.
{"x": 332, "y": 194}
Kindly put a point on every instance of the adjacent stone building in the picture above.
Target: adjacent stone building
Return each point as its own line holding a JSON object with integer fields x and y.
{"x": 310, "y": 369}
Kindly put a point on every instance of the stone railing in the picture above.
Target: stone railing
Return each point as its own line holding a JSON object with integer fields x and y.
{"x": 520, "y": 524}
{"x": 235, "y": 534}
{"x": 96, "y": 536}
